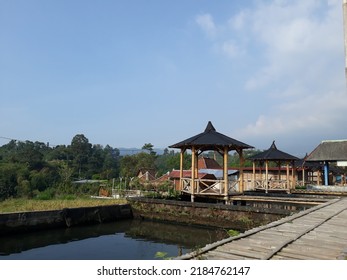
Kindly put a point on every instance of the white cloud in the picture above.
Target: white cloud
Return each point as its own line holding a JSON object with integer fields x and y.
{"x": 295, "y": 54}
{"x": 222, "y": 43}
{"x": 295, "y": 35}
{"x": 239, "y": 21}
{"x": 231, "y": 49}
{"x": 207, "y": 24}
{"x": 309, "y": 116}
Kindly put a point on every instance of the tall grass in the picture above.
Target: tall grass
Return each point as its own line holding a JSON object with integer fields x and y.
{"x": 23, "y": 205}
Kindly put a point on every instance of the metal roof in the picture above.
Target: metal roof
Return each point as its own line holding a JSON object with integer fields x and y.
{"x": 330, "y": 150}
{"x": 218, "y": 173}
{"x": 210, "y": 139}
{"x": 273, "y": 154}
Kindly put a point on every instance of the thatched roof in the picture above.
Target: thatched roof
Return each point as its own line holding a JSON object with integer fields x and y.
{"x": 331, "y": 150}
{"x": 273, "y": 154}
{"x": 210, "y": 139}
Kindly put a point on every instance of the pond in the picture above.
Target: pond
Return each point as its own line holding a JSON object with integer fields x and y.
{"x": 122, "y": 240}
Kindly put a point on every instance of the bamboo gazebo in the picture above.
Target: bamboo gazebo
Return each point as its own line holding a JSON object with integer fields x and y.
{"x": 210, "y": 140}
{"x": 274, "y": 182}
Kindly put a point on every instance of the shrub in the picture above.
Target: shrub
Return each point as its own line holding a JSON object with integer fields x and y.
{"x": 47, "y": 194}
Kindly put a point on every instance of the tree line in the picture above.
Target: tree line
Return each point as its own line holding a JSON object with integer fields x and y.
{"x": 29, "y": 169}
{"x": 34, "y": 169}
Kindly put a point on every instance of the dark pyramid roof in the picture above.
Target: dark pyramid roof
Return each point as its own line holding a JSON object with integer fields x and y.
{"x": 273, "y": 154}
{"x": 210, "y": 139}
{"x": 333, "y": 150}
{"x": 302, "y": 163}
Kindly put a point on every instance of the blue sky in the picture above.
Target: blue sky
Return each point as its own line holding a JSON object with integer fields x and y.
{"x": 125, "y": 73}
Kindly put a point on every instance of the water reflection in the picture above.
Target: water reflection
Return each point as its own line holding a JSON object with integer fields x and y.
{"x": 129, "y": 239}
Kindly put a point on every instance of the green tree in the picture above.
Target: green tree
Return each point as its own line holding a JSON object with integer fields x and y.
{"x": 27, "y": 152}
{"x": 60, "y": 152}
{"x": 149, "y": 147}
{"x": 95, "y": 161}
{"x": 8, "y": 181}
{"x": 131, "y": 164}
{"x": 110, "y": 163}
{"x": 81, "y": 150}
{"x": 43, "y": 179}
{"x": 234, "y": 159}
{"x": 128, "y": 165}
{"x": 65, "y": 175}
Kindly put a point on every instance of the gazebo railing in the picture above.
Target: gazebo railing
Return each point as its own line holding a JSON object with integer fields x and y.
{"x": 273, "y": 184}
{"x": 305, "y": 183}
{"x": 209, "y": 186}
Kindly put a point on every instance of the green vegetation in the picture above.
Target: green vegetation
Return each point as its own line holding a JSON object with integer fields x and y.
{"x": 232, "y": 232}
{"x": 22, "y": 205}
{"x": 35, "y": 170}
{"x": 162, "y": 256}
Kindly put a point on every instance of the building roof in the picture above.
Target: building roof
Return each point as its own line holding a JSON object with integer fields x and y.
{"x": 330, "y": 150}
{"x": 273, "y": 154}
{"x": 210, "y": 139}
{"x": 219, "y": 173}
{"x": 303, "y": 164}
{"x": 208, "y": 163}
{"x": 188, "y": 173}
{"x": 146, "y": 174}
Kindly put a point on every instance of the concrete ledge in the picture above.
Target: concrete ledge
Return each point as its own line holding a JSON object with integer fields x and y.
{"x": 30, "y": 221}
{"x": 205, "y": 214}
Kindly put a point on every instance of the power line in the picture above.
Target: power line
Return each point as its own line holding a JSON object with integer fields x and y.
{"x": 8, "y": 138}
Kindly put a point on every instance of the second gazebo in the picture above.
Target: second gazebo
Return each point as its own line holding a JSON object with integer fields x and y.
{"x": 209, "y": 140}
{"x": 273, "y": 182}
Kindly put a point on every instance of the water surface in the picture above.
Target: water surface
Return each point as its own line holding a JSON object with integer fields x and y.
{"x": 122, "y": 240}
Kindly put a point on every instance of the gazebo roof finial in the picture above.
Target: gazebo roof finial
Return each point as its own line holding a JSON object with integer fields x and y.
{"x": 273, "y": 145}
{"x": 209, "y": 127}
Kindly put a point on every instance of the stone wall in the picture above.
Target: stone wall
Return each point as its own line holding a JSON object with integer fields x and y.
{"x": 205, "y": 214}
{"x": 29, "y": 221}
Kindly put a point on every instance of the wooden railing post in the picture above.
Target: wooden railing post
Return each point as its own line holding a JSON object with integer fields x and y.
{"x": 193, "y": 174}
{"x": 181, "y": 169}
{"x": 225, "y": 169}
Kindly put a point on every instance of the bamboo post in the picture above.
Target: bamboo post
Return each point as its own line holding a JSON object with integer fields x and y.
{"x": 261, "y": 173}
{"x": 253, "y": 175}
{"x": 181, "y": 169}
{"x": 266, "y": 176}
{"x": 242, "y": 162}
{"x": 279, "y": 171}
{"x": 293, "y": 176}
{"x": 193, "y": 175}
{"x": 287, "y": 176}
{"x": 197, "y": 183}
{"x": 225, "y": 169}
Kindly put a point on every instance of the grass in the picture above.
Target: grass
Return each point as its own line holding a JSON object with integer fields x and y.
{"x": 24, "y": 205}
{"x": 232, "y": 232}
